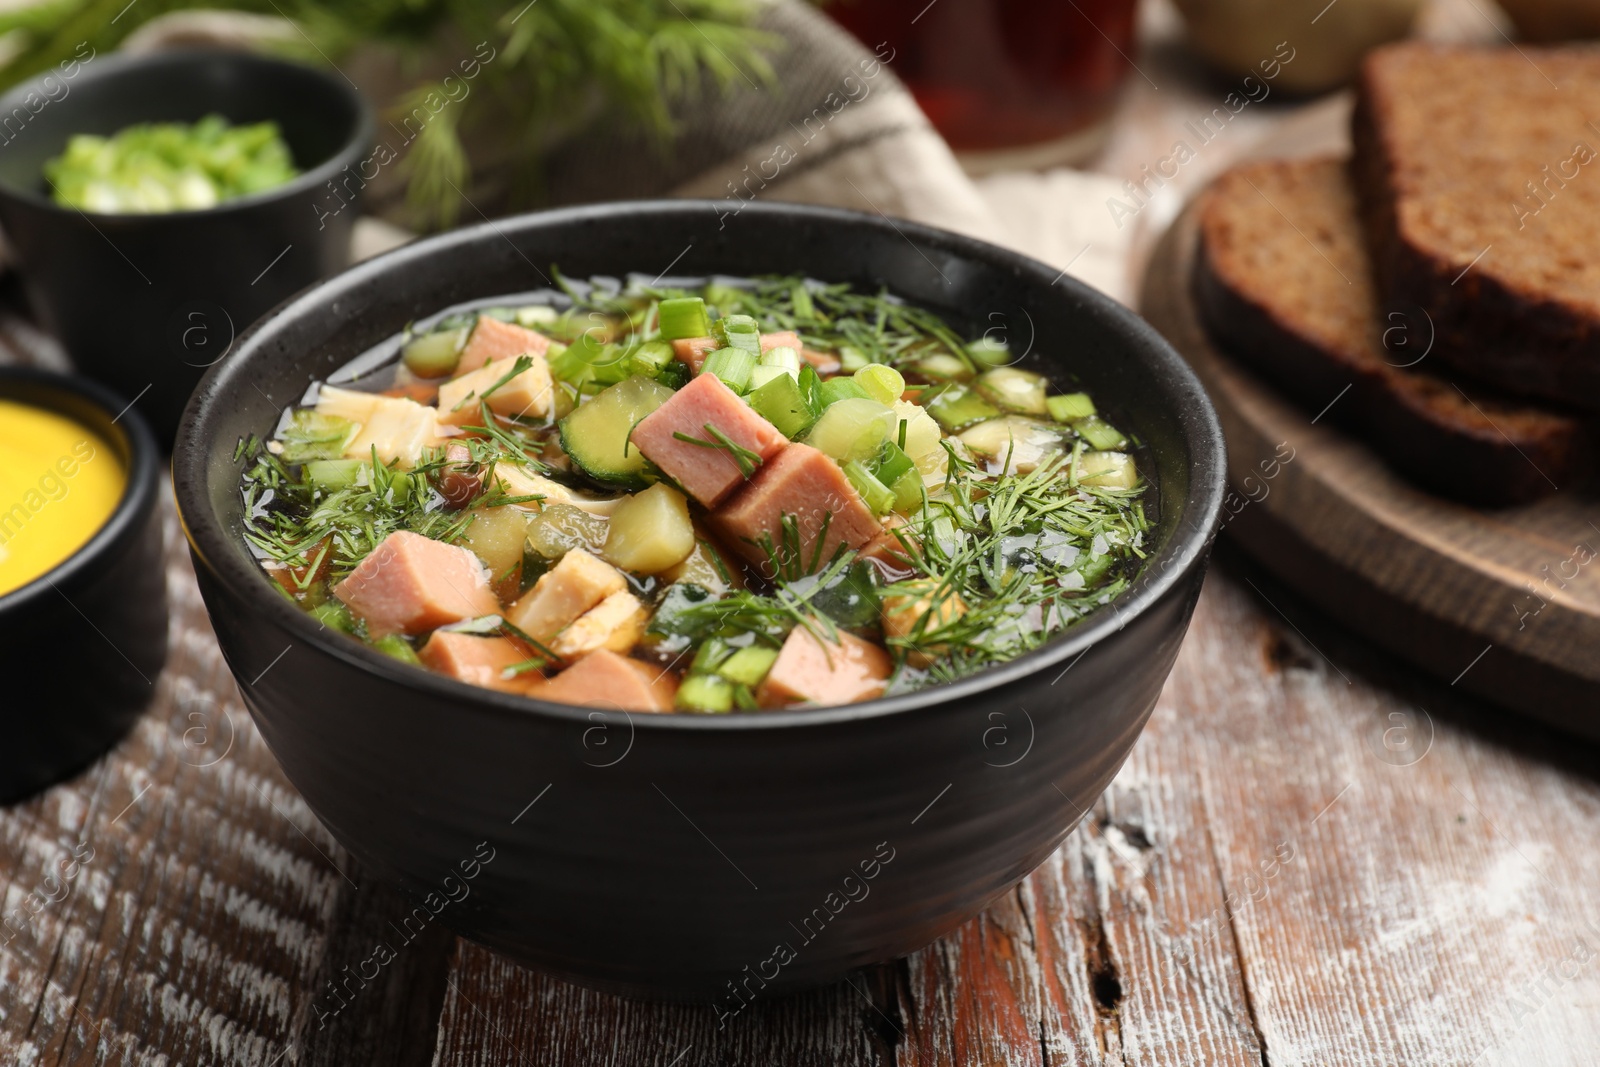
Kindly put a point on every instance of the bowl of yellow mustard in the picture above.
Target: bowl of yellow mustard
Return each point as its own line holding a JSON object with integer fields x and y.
{"x": 83, "y": 598}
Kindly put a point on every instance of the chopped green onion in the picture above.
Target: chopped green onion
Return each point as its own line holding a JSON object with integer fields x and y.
{"x": 854, "y": 428}
{"x": 739, "y": 331}
{"x": 650, "y": 358}
{"x": 1015, "y": 390}
{"x": 335, "y": 616}
{"x": 879, "y": 497}
{"x": 892, "y": 462}
{"x": 882, "y": 383}
{"x": 682, "y": 317}
{"x": 1100, "y": 434}
{"x": 784, "y": 358}
{"x": 781, "y": 402}
{"x": 852, "y": 359}
{"x": 536, "y": 315}
{"x": 989, "y": 353}
{"x": 1070, "y": 406}
{"x": 909, "y": 492}
{"x": 836, "y": 389}
{"x": 733, "y": 366}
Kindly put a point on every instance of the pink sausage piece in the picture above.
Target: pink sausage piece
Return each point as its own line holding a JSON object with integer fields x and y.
{"x": 804, "y": 483}
{"x": 708, "y": 472}
{"x": 410, "y": 584}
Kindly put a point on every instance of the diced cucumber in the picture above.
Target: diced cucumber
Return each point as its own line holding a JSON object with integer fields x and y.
{"x": 1100, "y": 434}
{"x": 433, "y": 355}
{"x": 836, "y": 389}
{"x": 596, "y": 434}
{"x": 395, "y": 646}
{"x": 725, "y": 298}
{"x": 748, "y": 666}
{"x": 942, "y": 367}
{"x": 1070, "y": 406}
{"x": 882, "y": 383}
{"x": 958, "y": 406}
{"x": 1015, "y": 390}
{"x": 781, "y": 403}
{"x": 1109, "y": 470}
{"x": 733, "y": 365}
{"x": 335, "y": 616}
{"x": 1022, "y": 444}
{"x": 762, "y": 375}
{"x": 684, "y": 317}
{"x": 650, "y": 531}
{"x": 879, "y": 497}
{"x": 331, "y": 474}
{"x": 312, "y": 434}
{"x": 987, "y": 352}
{"x": 706, "y": 694}
{"x": 852, "y": 429}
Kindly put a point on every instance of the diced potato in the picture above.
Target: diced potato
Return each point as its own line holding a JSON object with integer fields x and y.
{"x": 615, "y": 624}
{"x": 903, "y": 615}
{"x": 922, "y": 432}
{"x": 1027, "y": 442}
{"x": 650, "y": 531}
{"x": 563, "y": 593}
{"x": 528, "y": 395}
{"x": 1110, "y": 470}
{"x": 497, "y": 536}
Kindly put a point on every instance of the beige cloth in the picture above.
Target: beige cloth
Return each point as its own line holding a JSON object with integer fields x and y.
{"x": 841, "y": 130}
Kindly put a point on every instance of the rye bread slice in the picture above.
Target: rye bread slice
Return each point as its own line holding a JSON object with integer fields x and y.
{"x": 1480, "y": 190}
{"x": 1283, "y": 283}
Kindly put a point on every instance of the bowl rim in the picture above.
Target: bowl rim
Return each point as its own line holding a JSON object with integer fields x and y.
{"x": 228, "y": 563}
{"x": 131, "y": 65}
{"x": 139, "y": 479}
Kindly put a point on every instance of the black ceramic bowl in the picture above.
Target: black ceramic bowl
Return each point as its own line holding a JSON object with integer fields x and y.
{"x": 85, "y": 641}
{"x": 672, "y": 855}
{"x": 145, "y": 303}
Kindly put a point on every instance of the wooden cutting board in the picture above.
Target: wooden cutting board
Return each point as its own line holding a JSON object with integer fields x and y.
{"x": 1503, "y": 603}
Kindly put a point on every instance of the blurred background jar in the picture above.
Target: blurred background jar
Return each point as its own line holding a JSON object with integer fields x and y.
{"x": 1010, "y": 84}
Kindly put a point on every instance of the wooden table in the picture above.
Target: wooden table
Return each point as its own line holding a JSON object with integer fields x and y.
{"x": 1312, "y": 857}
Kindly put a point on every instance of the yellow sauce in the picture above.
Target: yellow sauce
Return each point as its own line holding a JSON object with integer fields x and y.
{"x": 59, "y": 483}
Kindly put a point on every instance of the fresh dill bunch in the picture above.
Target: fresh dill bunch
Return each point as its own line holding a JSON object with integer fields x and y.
{"x": 609, "y": 61}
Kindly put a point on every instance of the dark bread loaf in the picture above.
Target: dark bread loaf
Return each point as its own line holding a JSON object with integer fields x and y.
{"x": 1283, "y": 282}
{"x": 1462, "y": 150}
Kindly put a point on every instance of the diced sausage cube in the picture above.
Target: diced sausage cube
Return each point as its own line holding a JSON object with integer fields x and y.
{"x": 528, "y": 395}
{"x": 814, "y": 670}
{"x": 803, "y": 483}
{"x": 492, "y": 339}
{"x": 781, "y": 339}
{"x": 410, "y": 584}
{"x": 616, "y": 623}
{"x": 694, "y": 350}
{"x": 476, "y": 660}
{"x": 603, "y": 679}
{"x": 564, "y": 592}
{"x": 707, "y": 471}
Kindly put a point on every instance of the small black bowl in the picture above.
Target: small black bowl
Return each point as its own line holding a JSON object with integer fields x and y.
{"x": 85, "y": 641}
{"x": 695, "y": 856}
{"x": 145, "y": 303}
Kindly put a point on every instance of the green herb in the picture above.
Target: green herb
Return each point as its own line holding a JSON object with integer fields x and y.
{"x": 747, "y": 460}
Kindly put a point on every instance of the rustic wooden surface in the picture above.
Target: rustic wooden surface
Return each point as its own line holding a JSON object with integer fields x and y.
{"x": 1313, "y": 856}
